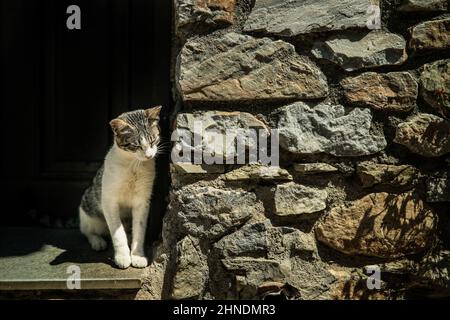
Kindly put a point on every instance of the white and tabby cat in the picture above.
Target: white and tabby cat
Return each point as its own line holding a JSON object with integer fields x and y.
{"x": 122, "y": 188}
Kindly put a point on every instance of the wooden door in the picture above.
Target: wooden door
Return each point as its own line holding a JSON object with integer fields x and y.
{"x": 61, "y": 87}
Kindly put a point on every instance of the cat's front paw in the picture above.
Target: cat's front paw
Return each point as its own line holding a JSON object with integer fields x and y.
{"x": 122, "y": 260}
{"x": 139, "y": 261}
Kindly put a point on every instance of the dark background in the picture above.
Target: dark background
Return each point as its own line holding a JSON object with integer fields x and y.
{"x": 60, "y": 88}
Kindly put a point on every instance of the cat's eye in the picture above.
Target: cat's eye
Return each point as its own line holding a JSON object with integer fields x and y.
{"x": 153, "y": 140}
{"x": 131, "y": 146}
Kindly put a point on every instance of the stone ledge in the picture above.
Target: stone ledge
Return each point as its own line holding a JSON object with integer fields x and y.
{"x": 37, "y": 259}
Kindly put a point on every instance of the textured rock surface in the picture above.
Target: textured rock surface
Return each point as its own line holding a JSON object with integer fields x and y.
{"x": 327, "y": 128}
{"x": 431, "y": 35}
{"x": 250, "y": 239}
{"x": 434, "y": 269}
{"x": 307, "y": 228}
{"x": 259, "y": 254}
{"x": 309, "y": 279}
{"x": 395, "y": 91}
{"x": 296, "y": 199}
{"x": 192, "y": 270}
{"x": 192, "y": 14}
{"x": 425, "y": 134}
{"x": 237, "y": 67}
{"x": 374, "y": 174}
{"x": 208, "y": 212}
{"x": 264, "y": 239}
{"x": 424, "y": 5}
{"x": 354, "y": 51}
{"x": 438, "y": 189}
{"x": 313, "y": 168}
{"x": 258, "y": 172}
{"x": 380, "y": 225}
{"x": 435, "y": 85}
{"x": 189, "y": 168}
{"x": 211, "y": 127}
{"x": 291, "y": 18}
{"x": 250, "y": 273}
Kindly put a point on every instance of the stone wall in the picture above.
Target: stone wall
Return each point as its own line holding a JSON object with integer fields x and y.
{"x": 364, "y": 134}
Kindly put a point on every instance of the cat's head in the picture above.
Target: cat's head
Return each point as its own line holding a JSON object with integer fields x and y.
{"x": 138, "y": 132}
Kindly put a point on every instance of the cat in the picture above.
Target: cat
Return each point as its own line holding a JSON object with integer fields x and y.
{"x": 122, "y": 188}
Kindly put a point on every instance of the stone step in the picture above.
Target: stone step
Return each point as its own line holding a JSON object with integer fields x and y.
{"x": 44, "y": 259}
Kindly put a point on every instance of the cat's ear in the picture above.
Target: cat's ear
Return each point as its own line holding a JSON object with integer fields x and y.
{"x": 153, "y": 113}
{"x": 118, "y": 126}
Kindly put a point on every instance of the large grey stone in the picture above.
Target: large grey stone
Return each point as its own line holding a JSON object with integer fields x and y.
{"x": 434, "y": 271}
{"x": 314, "y": 168}
{"x": 435, "y": 85}
{"x": 381, "y": 225}
{"x": 355, "y": 51}
{"x": 431, "y": 35}
{"x": 424, "y": 5}
{"x": 295, "y": 17}
{"x": 256, "y": 172}
{"x": 235, "y": 67}
{"x": 191, "y": 270}
{"x": 296, "y": 199}
{"x": 250, "y": 273}
{"x": 216, "y": 126}
{"x": 394, "y": 91}
{"x": 309, "y": 278}
{"x": 190, "y": 168}
{"x": 249, "y": 240}
{"x": 425, "y": 134}
{"x": 209, "y": 213}
{"x": 375, "y": 174}
{"x": 327, "y": 128}
{"x": 259, "y": 254}
{"x": 262, "y": 239}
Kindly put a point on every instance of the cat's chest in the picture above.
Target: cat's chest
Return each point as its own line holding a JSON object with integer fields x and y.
{"x": 131, "y": 180}
{"x": 126, "y": 185}
{"x": 135, "y": 180}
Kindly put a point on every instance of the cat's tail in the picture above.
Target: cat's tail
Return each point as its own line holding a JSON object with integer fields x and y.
{"x": 91, "y": 224}
{"x": 40, "y": 219}
{"x": 94, "y": 229}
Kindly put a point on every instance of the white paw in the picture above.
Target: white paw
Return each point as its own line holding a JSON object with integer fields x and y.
{"x": 98, "y": 243}
{"x": 122, "y": 260}
{"x": 139, "y": 261}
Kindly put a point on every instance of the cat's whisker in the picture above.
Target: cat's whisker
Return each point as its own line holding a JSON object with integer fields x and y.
{"x": 162, "y": 149}
{"x": 165, "y": 144}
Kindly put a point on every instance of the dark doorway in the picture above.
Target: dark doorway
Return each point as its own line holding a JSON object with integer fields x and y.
{"x": 61, "y": 87}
